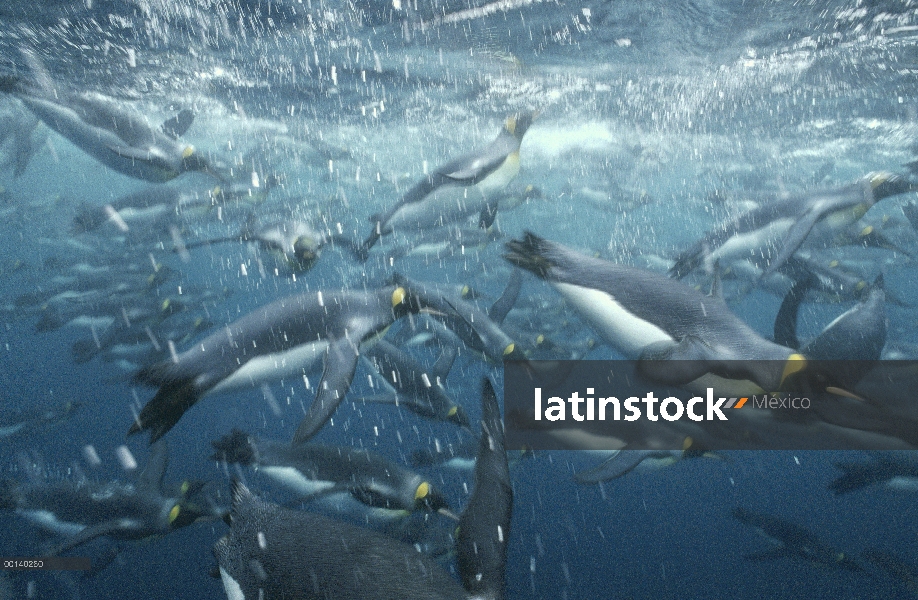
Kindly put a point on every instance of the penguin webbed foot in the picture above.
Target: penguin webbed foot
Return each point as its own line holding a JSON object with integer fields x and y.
{"x": 529, "y": 253}
{"x": 165, "y": 409}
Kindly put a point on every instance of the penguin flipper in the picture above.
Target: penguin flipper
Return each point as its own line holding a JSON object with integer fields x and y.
{"x": 179, "y": 124}
{"x": 340, "y": 364}
{"x": 794, "y": 239}
{"x": 444, "y": 363}
{"x": 166, "y": 408}
{"x": 785, "y": 332}
{"x": 503, "y": 305}
{"x": 484, "y": 527}
{"x": 488, "y": 213}
{"x": 87, "y": 535}
{"x": 349, "y": 246}
{"x": 151, "y": 478}
{"x": 617, "y": 465}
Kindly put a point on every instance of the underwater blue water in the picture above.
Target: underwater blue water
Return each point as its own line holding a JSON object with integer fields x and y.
{"x": 647, "y": 110}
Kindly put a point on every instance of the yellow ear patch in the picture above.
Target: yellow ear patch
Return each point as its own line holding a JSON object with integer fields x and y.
{"x": 465, "y": 291}
{"x": 510, "y": 125}
{"x": 509, "y": 349}
{"x": 184, "y": 488}
{"x": 687, "y": 443}
{"x": 540, "y": 339}
{"x": 795, "y": 363}
{"x": 422, "y": 491}
{"x": 188, "y": 151}
{"x": 452, "y": 411}
{"x": 398, "y": 296}
{"x": 174, "y": 513}
{"x": 867, "y": 230}
{"x": 165, "y": 304}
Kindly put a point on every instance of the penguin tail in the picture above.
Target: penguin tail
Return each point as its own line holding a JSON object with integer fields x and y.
{"x": 165, "y": 409}
{"x": 84, "y": 351}
{"x": 235, "y": 447}
{"x": 856, "y": 476}
{"x": 531, "y": 253}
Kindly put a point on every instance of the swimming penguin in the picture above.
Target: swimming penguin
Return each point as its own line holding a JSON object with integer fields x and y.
{"x": 792, "y": 541}
{"x": 83, "y": 511}
{"x": 154, "y": 209}
{"x": 111, "y": 132}
{"x": 450, "y": 242}
{"x": 297, "y": 242}
{"x": 281, "y": 339}
{"x": 479, "y": 330}
{"x": 622, "y": 462}
{"x": 779, "y": 228}
{"x": 413, "y": 386}
{"x": 646, "y": 315}
{"x": 858, "y": 334}
{"x": 273, "y": 552}
{"x": 314, "y": 471}
{"x": 16, "y": 421}
{"x": 458, "y": 189}
{"x": 896, "y": 471}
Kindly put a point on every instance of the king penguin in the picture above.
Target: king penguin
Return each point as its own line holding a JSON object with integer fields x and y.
{"x": 465, "y": 186}
{"x": 110, "y": 132}
{"x": 273, "y": 552}
{"x": 643, "y": 314}
{"x": 282, "y": 339}
{"x": 295, "y": 241}
{"x": 780, "y": 227}
{"x": 83, "y": 511}
{"x": 314, "y": 471}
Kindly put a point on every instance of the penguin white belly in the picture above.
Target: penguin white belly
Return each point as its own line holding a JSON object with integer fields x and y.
{"x": 445, "y": 205}
{"x": 625, "y": 331}
{"x": 272, "y": 367}
{"x": 293, "y": 479}
{"x": 49, "y": 522}
{"x": 138, "y": 215}
{"x": 903, "y": 484}
{"x": 231, "y": 586}
{"x": 11, "y": 430}
{"x": 743, "y": 244}
{"x": 501, "y": 177}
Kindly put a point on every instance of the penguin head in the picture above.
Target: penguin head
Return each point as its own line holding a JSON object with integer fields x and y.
{"x": 404, "y": 301}
{"x": 518, "y": 124}
{"x": 183, "y": 514}
{"x": 429, "y": 498}
{"x": 458, "y": 416}
{"x": 193, "y": 161}
{"x": 306, "y": 251}
{"x": 885, "y": 184}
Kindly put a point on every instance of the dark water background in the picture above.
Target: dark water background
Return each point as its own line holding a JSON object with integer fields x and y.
{"x": 665, "y": 102}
